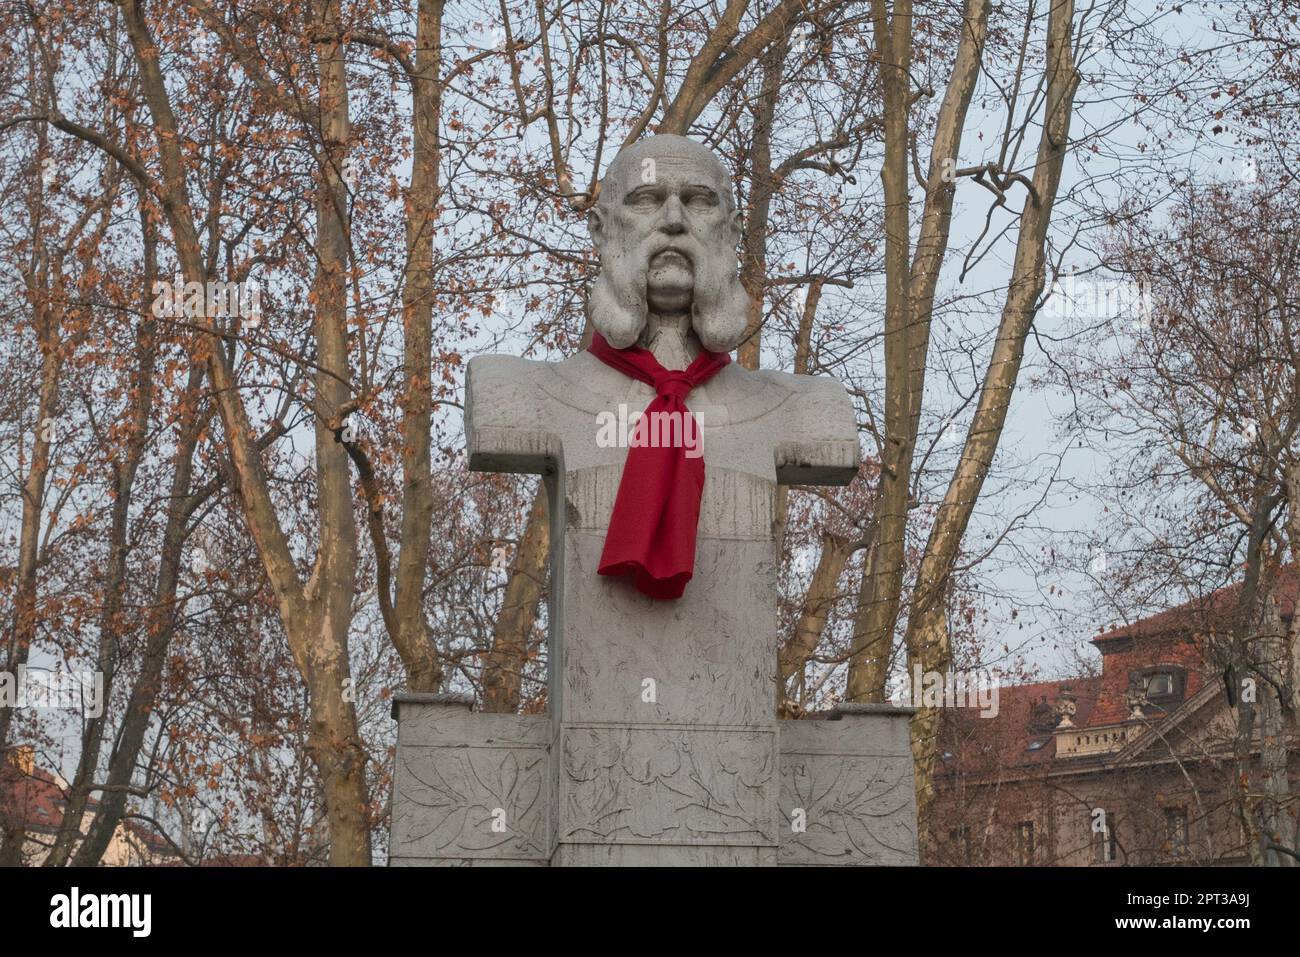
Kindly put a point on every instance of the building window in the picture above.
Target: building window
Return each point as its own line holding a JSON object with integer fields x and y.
{"x": 959, "y": 838}
{"x": 1106, "y": 841}
{"x": 1176, "y": 831}
{"x": 1163, "y": 686}
{"x": 1025, "y": 843}
{"x": 1160, "y": 685}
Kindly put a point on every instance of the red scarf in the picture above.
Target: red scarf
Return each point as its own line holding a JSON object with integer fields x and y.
{"x": 657, "y": 509}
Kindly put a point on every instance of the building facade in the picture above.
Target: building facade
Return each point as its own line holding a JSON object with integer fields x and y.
{"x": 34, "y": 799}
{"x": 1135, "y": 765}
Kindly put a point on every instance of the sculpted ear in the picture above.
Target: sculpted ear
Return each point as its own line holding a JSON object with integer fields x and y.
{"x": 596, "y": 228}
{"x": 735, "y": 226}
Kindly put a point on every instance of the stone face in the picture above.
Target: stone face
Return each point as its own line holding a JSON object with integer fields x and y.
{"x": 661, "y": 746}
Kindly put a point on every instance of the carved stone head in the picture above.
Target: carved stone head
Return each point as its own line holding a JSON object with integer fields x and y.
{"x": 666, "y": 229}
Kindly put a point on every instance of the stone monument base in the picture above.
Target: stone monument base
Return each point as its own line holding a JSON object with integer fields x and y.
{"x": 491, "y": 789}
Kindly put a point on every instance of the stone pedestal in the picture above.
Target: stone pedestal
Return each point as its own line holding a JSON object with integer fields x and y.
{"x": 489, "y": 789}
{"x": 661, "y": 746}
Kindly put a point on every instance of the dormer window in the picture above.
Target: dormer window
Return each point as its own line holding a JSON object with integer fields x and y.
{"x": 1160, "y": 685}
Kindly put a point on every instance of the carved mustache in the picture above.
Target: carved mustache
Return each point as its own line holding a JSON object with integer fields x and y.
{"x": 656, "y": 246}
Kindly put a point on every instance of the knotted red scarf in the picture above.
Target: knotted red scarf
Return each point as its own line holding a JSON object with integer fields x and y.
{"x": 652, "y": 531}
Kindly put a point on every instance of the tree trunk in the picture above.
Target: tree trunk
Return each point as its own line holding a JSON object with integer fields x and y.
{"x": 503, "y": 668}
{"x": 928, "y": 642}
{"x": 882, "y": 581}
{"x": 23, "y": 629}
{"x": 111, "y": 626}
{"x": 822, "y": 592}
{"x": 335, "y": 741}
{"x": 412, "y": 639}
{"x": 315, "y": 617}
{"x": 753, "y": 257}
{"x": 46, "y": 305}
{"x": 160, "y": 626}
{"x": 1277, "y": 819}
{"x": 879, "y": 596}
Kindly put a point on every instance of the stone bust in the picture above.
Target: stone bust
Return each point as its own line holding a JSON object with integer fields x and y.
{"x": 660, "y": 744}
{"x": 665, "y": 227}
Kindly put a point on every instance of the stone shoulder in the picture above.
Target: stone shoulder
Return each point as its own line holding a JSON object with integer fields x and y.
{"x": 810, "y": 406}
{"x": 823, "y": 386}
{"x": 499, "y": 387}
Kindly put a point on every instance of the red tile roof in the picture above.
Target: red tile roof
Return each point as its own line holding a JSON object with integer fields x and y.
{"x": 1213, "y": 612}
{"x": 1159, "y": 648}
{"x": 1174, "y": 637}
{"x": 978, "y": 743}
{"x": 35, "y": 799}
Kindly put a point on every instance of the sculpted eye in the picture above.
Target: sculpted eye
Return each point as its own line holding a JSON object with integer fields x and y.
{"x": 644, "y": 200}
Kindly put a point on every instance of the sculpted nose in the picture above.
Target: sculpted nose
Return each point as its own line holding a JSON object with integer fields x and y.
{"x": 670, "y": 217}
